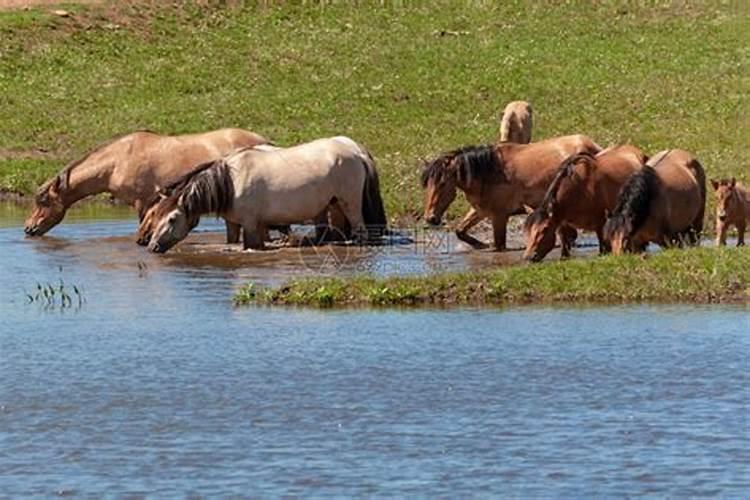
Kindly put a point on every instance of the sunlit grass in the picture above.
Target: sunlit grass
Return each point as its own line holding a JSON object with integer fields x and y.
{"x": 407, "y": 81}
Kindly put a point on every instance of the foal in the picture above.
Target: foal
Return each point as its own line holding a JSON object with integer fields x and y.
{"x": 732, "y": 208}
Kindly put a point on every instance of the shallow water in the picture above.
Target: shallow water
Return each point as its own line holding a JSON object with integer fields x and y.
{"x": 156, "y": 384}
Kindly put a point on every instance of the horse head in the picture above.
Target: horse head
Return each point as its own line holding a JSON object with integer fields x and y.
{"x": 49, "y": 208}
{"x": 726, "y": 199}
{"x": 439, "y": 183}
{"x": 539, "y": 231}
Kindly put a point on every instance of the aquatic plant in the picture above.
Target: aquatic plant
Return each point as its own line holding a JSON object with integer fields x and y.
{"x": 56, "y": 297}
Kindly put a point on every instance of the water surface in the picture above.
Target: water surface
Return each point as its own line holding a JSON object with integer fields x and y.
{"x": 157, "y": 384}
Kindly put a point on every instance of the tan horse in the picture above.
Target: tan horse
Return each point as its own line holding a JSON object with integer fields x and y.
{"x": 254, "y": 189}
{"x": 662, "y": 203}
{"x": 497, "y": 180}
{"x": 732, "y": 208}
{"x": 515, "y": 125}
{"x": 131, "y": 168}
{"x": 582, "y": 193}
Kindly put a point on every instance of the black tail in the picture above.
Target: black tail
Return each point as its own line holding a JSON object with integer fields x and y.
{"x": 373, "y": 211}
{"x": 696, "y": 228}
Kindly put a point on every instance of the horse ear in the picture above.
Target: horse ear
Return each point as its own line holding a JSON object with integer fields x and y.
{"x": 715, "y": 184}
{"x": 732, "y": 182}
{"x": 528, "y": 209}
{"x": 54, "y": 188}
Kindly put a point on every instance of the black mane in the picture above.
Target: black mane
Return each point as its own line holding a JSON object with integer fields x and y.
{"x": 479, "y": 162}
{"x": 634, "y": 201}
{"x": 207, "y": 189}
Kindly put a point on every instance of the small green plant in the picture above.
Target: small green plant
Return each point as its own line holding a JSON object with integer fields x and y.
{"x": 56, "y": 297}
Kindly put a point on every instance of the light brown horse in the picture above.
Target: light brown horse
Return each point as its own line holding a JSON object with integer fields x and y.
{"x": 256, "y": 188}
{"x": 732, "y": 208}
{"x": 498, "y": 181}
{"x": 132, "y": 168}
{"x": 663, "y": 203}
{"x": 582, "y": 193}
{"x": 515, "y": 125}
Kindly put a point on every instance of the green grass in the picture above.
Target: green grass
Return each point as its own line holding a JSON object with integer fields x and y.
{"x": 696, "y": 275}
{"x": 659, "y": 76}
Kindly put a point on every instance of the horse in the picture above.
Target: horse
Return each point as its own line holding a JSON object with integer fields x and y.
{"x": 664, "y": 203}
{"x": 515, "y": 125}
{"x": 498, "y": 180}
{"x": 584, "y": 189}
{"x": 254, "y": 189}
{"x": 131, "y": 168}
{"x": 732, "y": 207}
{"x": 148, "y": 217}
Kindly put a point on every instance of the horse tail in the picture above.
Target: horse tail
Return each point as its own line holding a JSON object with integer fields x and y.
{"x": 373, "y": 211}
{"x": 696, "y": 228}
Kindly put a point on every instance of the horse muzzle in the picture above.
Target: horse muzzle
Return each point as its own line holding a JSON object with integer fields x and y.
{"x": 33, "y": 230}
{"x": 157, "y": 248}
{"x": 433, "y": 220}
{"x": 723, "y": 217}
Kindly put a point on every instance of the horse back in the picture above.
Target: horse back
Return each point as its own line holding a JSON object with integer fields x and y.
{"x": 680, "y": 201}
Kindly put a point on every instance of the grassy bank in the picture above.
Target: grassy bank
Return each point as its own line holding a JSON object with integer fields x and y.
{"x": 702, "y": 275}
{"x": 406, "y": 81}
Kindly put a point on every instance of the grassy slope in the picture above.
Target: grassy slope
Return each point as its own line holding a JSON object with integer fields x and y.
{"x": 659, "y": 77}
{"x": 695, "y": 275}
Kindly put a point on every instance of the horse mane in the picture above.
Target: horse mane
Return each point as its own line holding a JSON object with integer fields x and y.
{"x": 64, "y": 175}
{"x": 209, "y": 188}
{"x": 470, "y": 162}
{"x": 564, "y": 171}
{"x": 634, "y": 200}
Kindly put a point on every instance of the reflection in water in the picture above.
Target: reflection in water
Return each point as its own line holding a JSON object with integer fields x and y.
{"x": 159, "y": 385}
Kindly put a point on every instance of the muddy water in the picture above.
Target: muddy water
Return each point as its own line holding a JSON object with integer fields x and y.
{"x": 156, "y": 384}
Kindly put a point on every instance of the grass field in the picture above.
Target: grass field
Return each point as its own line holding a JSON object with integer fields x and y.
{"x": 407, "y": 82}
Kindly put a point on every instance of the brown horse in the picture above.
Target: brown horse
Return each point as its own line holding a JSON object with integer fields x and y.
{"x": 515, "y": 125}
{"x": 662, "y": 203}
{"x": 732, "y": 208}
{"x": 580, "y": 196}
{"x": 498, "y": 181}
{"x": 132, "y": 168}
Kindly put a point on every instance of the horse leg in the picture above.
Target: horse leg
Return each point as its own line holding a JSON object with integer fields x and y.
{"x": 741, "y": 234}
{"x": 500, "y": 231}
{"x": 321, "y": 227}
{"x": 252, "y": 237}
{"x": 567, "y": 236}
{"x": 341, "y": 227}
{"x": 721, "y": 234}
{"x": 233, "y": 232}
{"x": 471, "y": 219}
{"x": 352, "y": 210}
{"x": 604, "y": 247}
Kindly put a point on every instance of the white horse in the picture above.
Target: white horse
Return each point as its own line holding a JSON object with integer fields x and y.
{"x": 256, "y": 188}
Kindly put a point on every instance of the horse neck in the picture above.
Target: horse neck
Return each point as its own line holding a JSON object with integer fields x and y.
{"x": 89, "y": 177}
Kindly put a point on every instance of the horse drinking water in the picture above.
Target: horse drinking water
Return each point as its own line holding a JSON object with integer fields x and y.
{"x": 662, "y": 203}
{"x": 131, "y": 168}
{"x": 584, "y": 189}
{"x": 255, "y": 188}
{"x": 498, "y": 180}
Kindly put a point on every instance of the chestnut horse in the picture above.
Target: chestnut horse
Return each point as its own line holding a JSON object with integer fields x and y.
{"x": 498, "y": 180}
{"x": 515, "y": 125}
{"x": 582, "y": 193}
{"x": 131, "y": 168}
{"x": 662, "y": 203}
{"x": 732, "y": 208}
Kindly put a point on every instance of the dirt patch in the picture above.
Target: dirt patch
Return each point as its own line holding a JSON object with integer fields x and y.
{"x": 23, "y": 4}
{"x": 25, "y": 154}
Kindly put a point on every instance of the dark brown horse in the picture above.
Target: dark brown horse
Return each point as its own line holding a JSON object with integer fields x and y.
{"x": 662, "y": 203}
{"x": 498, "y": 180}
{"x": 732, "y": 208}
{"x": 582, "y": 193}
